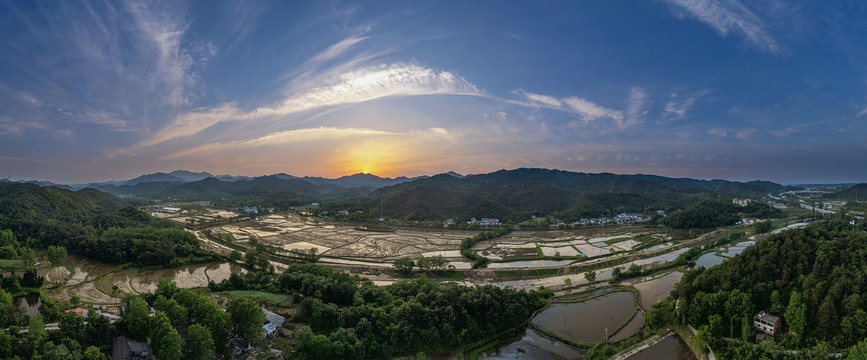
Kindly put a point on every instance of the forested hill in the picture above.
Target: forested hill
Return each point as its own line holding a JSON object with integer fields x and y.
{"x": 92, "y": 224}
{"x": 855, "y": 192}
{"x": 814, "y": 278}
{"x": 517, "y": 194}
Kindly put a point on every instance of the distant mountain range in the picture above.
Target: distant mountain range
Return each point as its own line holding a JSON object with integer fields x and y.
{"x": 507, "y": 194}
{"x": 858, "y": 192}
{"x": 520, "y": 193}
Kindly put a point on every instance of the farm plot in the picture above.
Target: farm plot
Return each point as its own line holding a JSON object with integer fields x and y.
{"x": 559, "y": 251}
{"x": 89, "y": 293}
{"x": 190, "y": 277}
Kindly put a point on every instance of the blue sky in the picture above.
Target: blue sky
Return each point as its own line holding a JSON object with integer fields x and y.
{"x": 773, "y": 90}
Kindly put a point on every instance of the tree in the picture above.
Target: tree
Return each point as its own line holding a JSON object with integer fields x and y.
{"x": 404, "y": 265}
{"x": 28, "y": 256}
{"x": 137, "y": 318}
{"x": 776, "y": 303}
{"x": 247, "y": 318}
{"x": 590, "y": 276}
{"x": 200, "y": 345}
{"x": 796, "y": 316}
{"x": 235, "y": 256}
{"x": 165, "y": 338}
{"x": 435, "y": 263}
{"x": 36, "y": 332}
{"x": 93, "y": 353}
{"x": 56, "y": 253}
{"x": 763, "y": 227}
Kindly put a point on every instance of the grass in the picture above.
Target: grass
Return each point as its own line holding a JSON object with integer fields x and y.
{"x": 226, "y": 237}
{"x": 266, "y": 296}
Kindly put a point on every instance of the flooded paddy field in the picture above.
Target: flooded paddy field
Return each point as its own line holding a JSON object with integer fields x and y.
{"x": 672, "y": 347}
{"x": 633, "y": 327}
{"x": 586, "y": 321}
{"x": 532, "y": 345}
{"x": 655, "y": 290}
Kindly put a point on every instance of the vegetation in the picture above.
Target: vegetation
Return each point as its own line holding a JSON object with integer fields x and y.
{"x": 712, "y": 214}
{"x": 349, "y": 317}
{"x": 813, "y": 278}
{"x": 515, "y": 195}
{"x": 94, "y": 225}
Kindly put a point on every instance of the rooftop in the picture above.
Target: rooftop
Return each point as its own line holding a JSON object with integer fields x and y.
{"x": 764, "y": 315}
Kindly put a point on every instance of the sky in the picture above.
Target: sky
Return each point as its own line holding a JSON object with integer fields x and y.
{"x": 738, "y": 90}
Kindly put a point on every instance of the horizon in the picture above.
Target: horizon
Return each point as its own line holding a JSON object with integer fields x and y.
{"x": 702, "y": 89}
{"x": 301, "y": 176}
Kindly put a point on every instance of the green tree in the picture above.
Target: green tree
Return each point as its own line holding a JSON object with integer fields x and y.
{"x": 165, "y": 339}
{"x": 796, "y": 316}
{"x": 716, "y": 326}
{"x": 247, "y": 318}
{"x": 404, "y": 265}
{"x": 28, "y": 256}
{"x": 763, "y": 227}
{"x": 435, "y": 263}
{"x": 777, "y": 303}
{"x": 590, "y": 276}
{"x": 56, "y": 253}
{"x": 93, "y": 353}
{"x": 200, "y": 345}
{"x": 235, "y": 256}
{"x": 36, "y": 332}
{"x": 137, "y": 319}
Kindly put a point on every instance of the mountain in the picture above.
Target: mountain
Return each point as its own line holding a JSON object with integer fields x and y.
{"x": 92, "y": 224}
{"x": 454, "y": 174}
{"x": 359, "y": 180}
{"x": 190, "y": 176}
{"x": 156, "y": 177}
{"x": 515, "y": 195}
{"x": 717, "y": 186}
{"x": 858, "y": 192}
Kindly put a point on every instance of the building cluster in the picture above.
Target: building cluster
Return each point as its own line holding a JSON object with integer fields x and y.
{"x": 167, "y": 209}
{"x": 484, "y": 221}
{"x": 742, "y": 202}
{"x": 622, "y": 218}
{"x": 255, "y": 210}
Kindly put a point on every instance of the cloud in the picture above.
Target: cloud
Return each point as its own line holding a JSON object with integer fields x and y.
{"x": 636, "y": 108}
{"x": 745, "y": 134}
{"x": 587, "y": 109}
{"x": 726, "y": 16}
{"x": 718, "y": 132}
{"x": 355, "y": 86}
{"x": 678, "y": 108}
{"x": 862, "y": 113}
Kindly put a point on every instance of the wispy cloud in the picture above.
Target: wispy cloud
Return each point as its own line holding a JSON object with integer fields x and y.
{"x": 862, "y": 113}
{"x": 177, "y": 61}
{"x": 586, "y": 109}
{"x": 678, "y": 107}
{"x": 727, "y": 16}
{"x": 636, "y": 108}
{"x": 359, "y": 85}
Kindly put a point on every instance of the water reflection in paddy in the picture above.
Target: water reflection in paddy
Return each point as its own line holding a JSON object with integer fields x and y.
{"x": 29, "y": 303}
{"x": 532, "y": 345}
{"x": 656, "y": 290}
{"x": 529, "y": 264}
{"x": 586, "y": 321}
{"x": 672, "y": 347}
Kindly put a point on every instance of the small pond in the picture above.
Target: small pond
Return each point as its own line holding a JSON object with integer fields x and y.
{"x": 586, "y": 321}
{"x": 29, "y": 303}
{"x": 532, "y": 345}
{"x": 672, "y": 347}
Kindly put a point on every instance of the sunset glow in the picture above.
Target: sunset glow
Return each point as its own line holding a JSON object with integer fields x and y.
{"x": 699, "y": 88}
